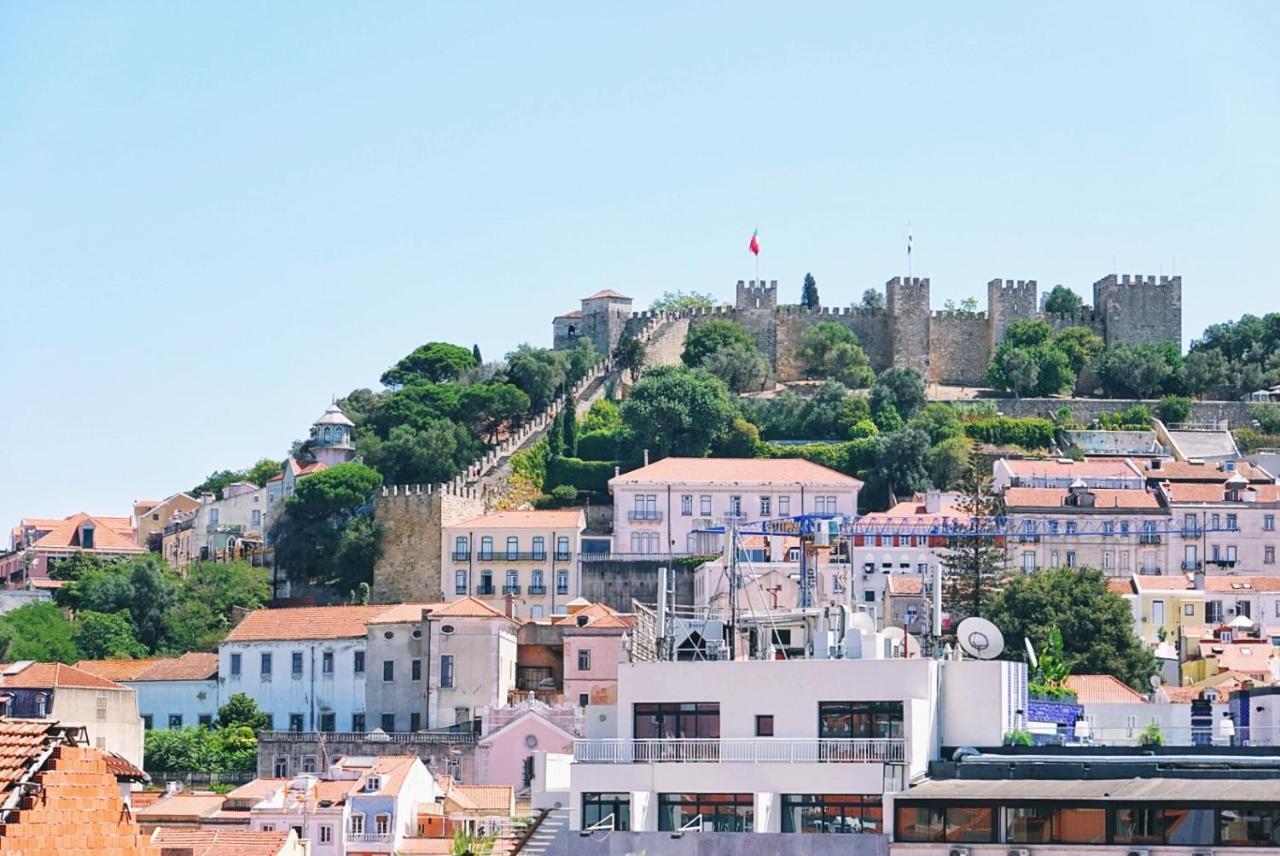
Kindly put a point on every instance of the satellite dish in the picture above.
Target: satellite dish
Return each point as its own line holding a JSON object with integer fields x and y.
{"x": 862, "y": 621}
{"x": 1031, "y": 653}
{"x": 980, "y": 638}
{"x": 1156, "y": 682}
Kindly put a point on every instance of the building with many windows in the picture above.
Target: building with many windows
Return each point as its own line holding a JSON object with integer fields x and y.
{"x": 527, "y": 559}
{"x": 36, "y": 544}
{"x": 664, "y": 507}
{"x": 176, "y": 692}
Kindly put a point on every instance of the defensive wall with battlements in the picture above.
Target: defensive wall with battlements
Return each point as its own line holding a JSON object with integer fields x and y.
{"x": 944, "y": 346}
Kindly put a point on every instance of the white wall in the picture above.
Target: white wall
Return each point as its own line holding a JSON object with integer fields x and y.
{"x": 341, "y": 693}
{"x": 188, "y": 699}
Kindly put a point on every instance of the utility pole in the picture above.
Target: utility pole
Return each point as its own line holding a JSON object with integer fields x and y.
{"x": 731, "y": 529}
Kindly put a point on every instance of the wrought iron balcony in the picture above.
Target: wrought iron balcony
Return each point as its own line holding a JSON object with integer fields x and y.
{"x": 537, "y": 589}
{"x": 462, "y": 555}
{"x": 483, "y": 589}
{"x": 649, "y": 514}
{"x": 1192, "y": 566}
{"x": 511, "y": 589}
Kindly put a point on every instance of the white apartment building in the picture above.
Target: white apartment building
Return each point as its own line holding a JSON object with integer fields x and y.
{"x": 662, "y": 507}
{"x": 304, "y": 667}
{"x": 1109, "y": 473}
{"x": 177, "y": 692}
{"x": 525, "y": 558}
{"x": 781, "y": 745}
{"x": 221, "y": 525}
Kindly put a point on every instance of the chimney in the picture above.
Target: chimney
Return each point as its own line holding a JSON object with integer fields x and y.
{"x": 1155, "y": 463}
{"x": 509, "y": 606}
{"x": 646, "y": 457}
{"x": 1199, "y": 577}
{"x": 932, "y": 501}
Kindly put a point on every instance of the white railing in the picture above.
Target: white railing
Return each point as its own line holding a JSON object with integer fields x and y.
{"x": 764, "y": 750}
{"x": 370, "y": 837}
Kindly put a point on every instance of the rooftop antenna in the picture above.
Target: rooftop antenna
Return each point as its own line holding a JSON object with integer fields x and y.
{"x": 979, "y": 638}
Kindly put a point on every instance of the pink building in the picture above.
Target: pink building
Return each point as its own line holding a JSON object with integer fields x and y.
{"x": 1121, "y": 474}
{"x": 660, "y": 508}
{"x": 1227, "y": 526}
{"x": 36, "y": 543}
{"x": 592, "y": 639}
{"x": 510, "y": 736}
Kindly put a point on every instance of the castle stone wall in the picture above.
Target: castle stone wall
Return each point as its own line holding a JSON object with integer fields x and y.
{"x": 1235, "y": 413}
{"x": 791, "y": 322}
{"x": 959, "y": 347}
{"x": 908, "y": 302}
{"x": 1008, "y": 301}
{"x": 1140, "y": 310}
{"x": 411, "y": 518}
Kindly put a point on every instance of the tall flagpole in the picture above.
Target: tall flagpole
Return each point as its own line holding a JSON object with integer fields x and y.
{"x": 757, "y": 255}
{"x": 908, "y": 249}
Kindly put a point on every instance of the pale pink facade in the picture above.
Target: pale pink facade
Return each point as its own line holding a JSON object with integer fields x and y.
{"x": 660, "y": 508}
{"x": 1225, "y": 528}
{"x": 501, "y": 755}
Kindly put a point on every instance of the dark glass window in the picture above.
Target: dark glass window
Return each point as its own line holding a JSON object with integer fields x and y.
{"x": 357, "y": 722}
{"x": 1029, "y": 824}
{"x": 859, "y": 719}
{"x": 970, "y": 823}
{"x": 671, "y": 720}
{"x": 831, "y": 813}
{"x": 597, "y": 807}
{"x": 916, "y": 822}
{"x": 388, "y": 722}
{"x": 296, "y": 663}
{"x": 1250, "y": 827}
{"x": 717, "y": 812}
{"x": 764, "y": 725}
{"x": 328, "y": 722}
{"x": 358, "y": 663}
{"x": 1080, "y": 825}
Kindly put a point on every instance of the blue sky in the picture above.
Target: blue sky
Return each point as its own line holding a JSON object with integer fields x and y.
{"x": 218, "y": 216}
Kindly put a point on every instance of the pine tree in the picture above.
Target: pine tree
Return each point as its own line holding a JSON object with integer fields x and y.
{"x": 555, "y": 437}
{"x": 975, "y": 566}
{"x": 475, "y": 353}
{"x": 809, "y": 295}
{"x": 570, "y": 431}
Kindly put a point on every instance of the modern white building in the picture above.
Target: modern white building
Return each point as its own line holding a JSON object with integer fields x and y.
{"x": 664, "y": 507}
{"x": 1109, "y": 473}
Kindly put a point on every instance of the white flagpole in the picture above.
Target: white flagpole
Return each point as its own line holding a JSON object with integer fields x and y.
{"x": 908, "y": 249}
{"x": 757, "y": 254}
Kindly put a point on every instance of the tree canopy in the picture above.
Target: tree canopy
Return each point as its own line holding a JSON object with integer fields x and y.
{"x": 1096, "y": 623}
{"x": 710, "y": 336}
{"x": 900, "y": 387}
{"x": 326, "y": 532}
{"x": 831, "y": 350}
{"x": 436, "y": 362}
{"x": 1032, "y": 360}
{"x": 1062, "y": 301}
{"x": 1141, "y": 371}
{"x": 809, "y": 293}
{"x": 675, "y": 410}
{"x": 681, "y": 301}
{"x": 872, "y": 300}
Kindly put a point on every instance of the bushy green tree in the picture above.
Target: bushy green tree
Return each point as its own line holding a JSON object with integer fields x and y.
{"x": 710, "y": 336}
{"x": 487, "y": 407}
{"x": 741, "y": 367}
{"x": 831, "y": 350}
{"x": 325, "y": 532}
{"x": 1096, "y": 623}
{"x": 105, "y": 635}
{"x": 569, "y": 431}
{"x": 675, "y": 410}
{"x": 940, "y": 421}
{"x": 872, "y": 300}
{"x": 539, "y": 372}
{"x": 604, "y": 415}
{"x": 241, "y": 711}
{"x": 948, "y": 461}
{"x": 681, "y": 301}
{"x": 900, "y": 386}
{"x": 436, "y": 362}
{"x": 1140, "y": 371}
{"x": 740, "y": 440}
{"x": 433, "y": 453}
{"x": 37, "y": 631}
{"x": 1235, "y": 358}
{"x": 1062, "y": 301}
{"x": 1080, "y": 345}
{"x": 1174, "y": 409}
{"x": 417, "y": 405}
{"x": 900, "y": 463}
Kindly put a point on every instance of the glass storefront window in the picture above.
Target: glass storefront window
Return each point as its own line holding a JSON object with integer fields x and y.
{"x": 831, "y": 813}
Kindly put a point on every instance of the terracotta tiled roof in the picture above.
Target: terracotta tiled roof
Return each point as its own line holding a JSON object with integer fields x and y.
{"x": 576, "y": 313}
{"x": 481, "y": 799}
{"x": 122, "y": 769}
{"x": 46, "y": 675}
{"x": 948, "y": 507}
{"x": 188, "y": 808}
{"x": 1252, "y": 657}
{"x": 116, "y": 670}
{"x": 597, "y": 615}
{"x": 1209, "y": 471}
{"x": 110, "y": 534}
{"x": 214, "y": 841}
{"x": 1155, "y": 582}
{"x": 393, "y": 770}
{"x": 737, "y": 471}
{"x": 563, "y": 518}
{"x": 1124, "y": 586}
{"x": 308, "y": 622}
{"x": 192, "y": 666}
{"x": 1058, "y": 468}
{"x": 1241, "y": 585}
{"x": 608, "y": 292}
{"x": 1102, "y": 689}
{"x": 467, "y": 607}
{"x": 403, "y": 613}
{"x": 1182, "y": 695}
{"x": 1217, "y": 492}
{"x": 21, "y": 743}
{"x": 1104, "y": 498}
{"x": 905, "y": 585}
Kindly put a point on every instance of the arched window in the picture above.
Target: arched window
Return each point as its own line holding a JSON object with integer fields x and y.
{"x": 42, "y": 702}
{"x": 327, "y": 434}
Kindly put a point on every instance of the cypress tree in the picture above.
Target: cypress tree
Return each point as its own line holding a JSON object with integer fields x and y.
{"x": 809, "y": 295}
{"x": 570, "y": 432}
{"x": 475, "y": 354}
{"x": 555, "y": 437}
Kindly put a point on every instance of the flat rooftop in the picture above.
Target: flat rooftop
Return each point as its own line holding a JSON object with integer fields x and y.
{"x": 1156, "y": 790}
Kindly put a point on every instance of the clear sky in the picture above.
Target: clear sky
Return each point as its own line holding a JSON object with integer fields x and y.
{"x": 216, "y": 216}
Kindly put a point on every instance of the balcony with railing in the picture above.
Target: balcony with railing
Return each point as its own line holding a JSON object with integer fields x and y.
{"x": 369, "y": 837}
{"x": 483, "y": 589}
{"x": 537, "y": 589}
{"x": 1191, "y": 566}
{"x": 461, "y": 555}
{"x": 760, "y": 750}
{"x": 511, "y": 589}
{"x": 651, "y": 514}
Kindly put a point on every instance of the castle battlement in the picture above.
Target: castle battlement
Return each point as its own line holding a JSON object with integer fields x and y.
{"x": 959, "y": 314}
{"x": 908, "y": 282}
{"x": 1139, "y": 279}
{"x": 1012, "y": 286}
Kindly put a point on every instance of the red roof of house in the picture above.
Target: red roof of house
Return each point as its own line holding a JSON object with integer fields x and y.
{"x": 1241, "y": 585}
{"x": 608, "y": 292}
{"x": 38, "y": 676}
{"x": 110, "y": 534}
{"x": 1103, "y": 689}
{"x": 1104, "y": 498}
{"x": 905, "y": 585}
{"x": 1207, "y": 471}
{"x": 736, "y": 471}
{"x": 563, "y": 518}
{"x": 218, "y": 841}
{"x": 1217, "y": 492}
{"x": 21, "y": 743}
{"x": 1158, "y": 582}
{"x": 1063, "y": 467}
{"x": 308, "y": 622}
{"x": 597, "y": 615}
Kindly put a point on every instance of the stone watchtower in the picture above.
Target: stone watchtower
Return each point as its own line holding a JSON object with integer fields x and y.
{"x": 1139, "y": 310}
{"x": 1008, "y": 301}
{"x": 907, "y": 302}
{"x": 602, "y": 319}
{"x": 756, "y": 295}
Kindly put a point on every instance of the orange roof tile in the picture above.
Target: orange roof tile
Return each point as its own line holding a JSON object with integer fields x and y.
{"x": 905, "y": 585}
{"x": 1252, "y": 657}
{"x": 192, "y": 666}
{"x": 307, "y": 622}
{"x": 1124, "y": 586}
{"x": 393, "y": 770}
{"x": 737, "y": 471}
{"x": 563, "y": 518}
{"x": 188, "y": 807}
{"x": 608, "y": 292}
{"x": 116, "y": 670}
{"x": 1241, "y": 585}
{"x": 1058, "y": 468}
{"x": 403, "y": 613}
{"x": 1102, "y": 689}
{"x": 1209, "y": 471}
{"x": 1217, "y": 492}
{"x": 1104, "y": 498}
{"x": 1156, "y": 582}
{"x": 489, "y": 800}
{"x": 47, "y": 675}
{"x": 110, "y": 534}
{"x": 467, "y": 607}
{"x": 21, "y": 743}
{"x": 216, "y": 841}
{"x": 123, "y": 769}
{"x": 597, "y": 615}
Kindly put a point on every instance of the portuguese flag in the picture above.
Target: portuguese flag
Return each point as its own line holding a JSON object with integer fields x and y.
{"x": 754, "y": 246}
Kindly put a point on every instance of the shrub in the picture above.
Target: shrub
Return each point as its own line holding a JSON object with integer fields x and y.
{"x": 1173, "y": 409}
{"x": 1030, "y": 433}
{"x": 611, "y": 445}
{"x": 1135, "y": 417}
{"x": 561, "y": 496}
{"x": 582, "y": 475}
{"x": 1267, "y": 415}
{"x": 1018, "y": 738}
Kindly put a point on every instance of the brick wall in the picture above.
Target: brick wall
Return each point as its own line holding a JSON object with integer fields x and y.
{"x": 79, "y": 811}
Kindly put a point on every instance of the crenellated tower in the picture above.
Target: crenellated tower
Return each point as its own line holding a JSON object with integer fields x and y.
{"x": 907, "y": 302}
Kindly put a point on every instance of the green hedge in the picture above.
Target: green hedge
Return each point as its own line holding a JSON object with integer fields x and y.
{"x": 850, "y": 457}
{"x": 602, "y": 445}
{"x": 584, "y": 475}
{"x": 1029, "y": 433}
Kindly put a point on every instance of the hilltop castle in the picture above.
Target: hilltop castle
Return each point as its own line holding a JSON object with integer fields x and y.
{"x": 944, "y": 346}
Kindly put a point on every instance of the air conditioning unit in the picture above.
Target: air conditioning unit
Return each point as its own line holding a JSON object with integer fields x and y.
{"x": 958, "y": 851}
{"x": 1201, "y": 853}
{"x": 1018, "y": 851}
{"x": 1142, "y": 852}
